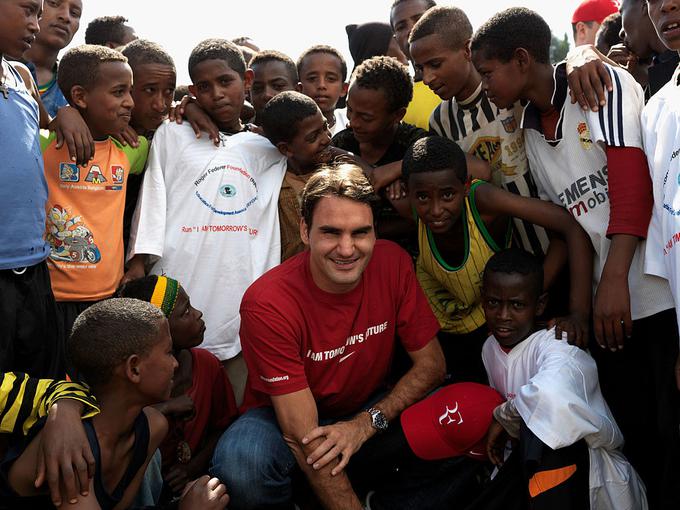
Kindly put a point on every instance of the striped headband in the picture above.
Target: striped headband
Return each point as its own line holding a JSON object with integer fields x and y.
{"x": 165, "y": 294}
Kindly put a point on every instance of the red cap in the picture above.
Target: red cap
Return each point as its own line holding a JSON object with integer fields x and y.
{"x": 594, "y": 10}
{"x": 451, "y": 422}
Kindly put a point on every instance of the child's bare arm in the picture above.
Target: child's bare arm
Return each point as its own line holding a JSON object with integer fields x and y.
{"x": 494, "y": 201}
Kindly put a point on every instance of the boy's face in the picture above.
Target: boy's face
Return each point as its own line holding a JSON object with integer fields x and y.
{"x": 309, "y": 146}
{"x": 59, "y": 22}
{"x": 321, "y": 79}
{"x": 402, "y": 19}
{"x": 269, "y": 78}
{"x": 369, "y": 115}
{"x": 157, "y": 368}
{"x": 438, "y": 199}
{"x": 107, "y": 106}
{"x": 220, "y": 91}
{"x": 186, "y": 324}
{"x": 503, "y": 81}
{"x": 511, "y": 306}
{"x": 153, "y": 90}
{"x": 446, "y": 71}
{"x": 18, "y": 25}
{"x": 665, "y": 16}
{"x": 341, "y": 241}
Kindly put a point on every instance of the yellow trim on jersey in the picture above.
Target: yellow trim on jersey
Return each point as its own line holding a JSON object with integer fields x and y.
{"x": 24, "y": 400}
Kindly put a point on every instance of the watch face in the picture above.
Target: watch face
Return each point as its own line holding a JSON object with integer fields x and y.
{"x": 378, "y": 419}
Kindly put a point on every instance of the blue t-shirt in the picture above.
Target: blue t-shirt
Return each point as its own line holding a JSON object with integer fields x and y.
{"x": 50, "y": 93}
{"x": 23, "y": 192}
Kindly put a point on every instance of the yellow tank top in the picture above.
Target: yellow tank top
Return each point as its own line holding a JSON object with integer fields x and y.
{"x": 454, "y": 293}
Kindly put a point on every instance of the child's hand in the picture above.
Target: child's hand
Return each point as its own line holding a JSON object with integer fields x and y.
{"x": 71, "y": 129}
{"x": 204, "y": 494}
{"x": 128, "y": 137}
{"x": 180, "y": 407}
{"x": 588, "y": 78}
{"x": 198, "y": 119}
{"x": 135, "y": 270}
{"x": 65, "y": 459}
{"x": 575, "y": 326}
{"x": 496, "y": 439}
{"x": 611, "y": 312}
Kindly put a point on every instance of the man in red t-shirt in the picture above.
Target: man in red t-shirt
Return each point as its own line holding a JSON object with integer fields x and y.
{"x": 318, "y": 335}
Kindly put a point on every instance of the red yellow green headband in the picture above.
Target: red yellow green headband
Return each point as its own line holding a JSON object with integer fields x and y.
{"x": 164, "y": 294}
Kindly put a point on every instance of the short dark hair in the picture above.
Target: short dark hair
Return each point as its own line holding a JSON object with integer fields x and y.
{"x": 181, "y": 91}
{"x": 141, "y": 51}
{"x": 80, "y": 66}
{"x": 429, "y": 3}
{"x": 218, "y": 49}
{"x": 389, "y": 75}
{"x": 609, "y": 33}
{"x": 517, "y": 261}
{"x": 282, "y": 114}
{"x": 104, "y": 29}
{"x": 514, "y": 28}
{"x": 450, "y": 23}
{"x": 109, "y": 332}
{"x": 345, "y": 180}
{"x": 434, "y": 153}
{"x": 266, "y": 56}
{"x": 323, "y": 48}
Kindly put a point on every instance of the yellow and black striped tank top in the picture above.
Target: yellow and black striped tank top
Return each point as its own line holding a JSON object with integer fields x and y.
{"x": 454, "y": 293}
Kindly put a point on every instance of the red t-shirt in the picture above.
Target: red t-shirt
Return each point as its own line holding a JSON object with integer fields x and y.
{"x": 214, "y": 404}
{"x": 294, "y": 335}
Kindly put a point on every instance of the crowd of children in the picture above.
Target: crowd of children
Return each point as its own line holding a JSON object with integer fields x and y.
{"x": 540, "y": 234}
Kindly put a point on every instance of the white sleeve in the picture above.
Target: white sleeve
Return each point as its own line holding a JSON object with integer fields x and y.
{"x": 562, "y": 402}
{"x": 147, "y": 234}
{"x": 617, "y": 123}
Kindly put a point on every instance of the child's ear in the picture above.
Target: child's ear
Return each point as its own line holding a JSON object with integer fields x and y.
{"x": 298, "y": 87}
{"x": 79, "y": 96}
{"x": 304, "y": 232}
{"x": 132, "y": 370}
{"x": 468, "y": 50}
{"x": 523, "y": 58}
{"x": 248, "y": 79}
{"x": 192, "y": 90}
{"x": 283, "y": 149}
{"x": 542, "y": 303}
{"x": 399, "y": 115}
{"x": 345, "y": 88}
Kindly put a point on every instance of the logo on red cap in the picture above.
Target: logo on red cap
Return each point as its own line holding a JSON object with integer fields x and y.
{"x": 451, "y": 422}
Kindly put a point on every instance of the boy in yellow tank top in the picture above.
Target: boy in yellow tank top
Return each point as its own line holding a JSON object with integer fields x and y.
{"x": 459, "y": 228}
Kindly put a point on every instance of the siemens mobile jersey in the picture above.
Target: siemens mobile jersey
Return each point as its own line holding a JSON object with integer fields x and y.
{"x": 209, "y": 216}
{"x": 572, "y": 171}
{"x": 494, "y": 135}
{"x": 661, "y": 131}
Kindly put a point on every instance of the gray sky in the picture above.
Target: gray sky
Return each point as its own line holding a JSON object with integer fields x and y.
{"x": 288, "y": 26}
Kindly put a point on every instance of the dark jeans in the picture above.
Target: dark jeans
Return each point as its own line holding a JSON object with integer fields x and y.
{"x": 29, "y": 341}
{"x": 258, "y": 467}
{"x": 638, "y": 383}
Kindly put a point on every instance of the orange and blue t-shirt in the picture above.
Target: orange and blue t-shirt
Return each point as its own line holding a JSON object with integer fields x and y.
{"x": 85, "y": 217}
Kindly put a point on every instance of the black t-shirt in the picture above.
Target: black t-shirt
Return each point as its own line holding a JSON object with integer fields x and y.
{"x": 405, "y": 136}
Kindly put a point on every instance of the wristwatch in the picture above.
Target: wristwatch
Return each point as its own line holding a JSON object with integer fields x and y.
{"x": 378, "y": 420}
